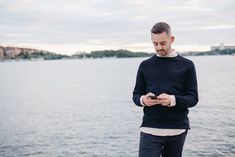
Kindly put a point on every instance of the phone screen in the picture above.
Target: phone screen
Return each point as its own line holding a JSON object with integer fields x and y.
{"x": 153, "y": 97}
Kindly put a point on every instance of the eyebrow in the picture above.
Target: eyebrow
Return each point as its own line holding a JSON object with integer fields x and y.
{"x": 162, "y": 42}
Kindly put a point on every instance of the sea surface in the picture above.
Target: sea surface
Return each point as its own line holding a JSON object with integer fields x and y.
{"x": 83, "y": 108}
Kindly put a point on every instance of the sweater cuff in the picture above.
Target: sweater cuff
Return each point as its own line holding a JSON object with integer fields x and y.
{"x": 173, "y": 102}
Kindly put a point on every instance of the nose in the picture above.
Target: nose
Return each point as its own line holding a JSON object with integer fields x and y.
{"x": 159, "y": 47}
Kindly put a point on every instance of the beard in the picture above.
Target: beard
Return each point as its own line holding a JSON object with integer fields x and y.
{"x": 162, "y": 52}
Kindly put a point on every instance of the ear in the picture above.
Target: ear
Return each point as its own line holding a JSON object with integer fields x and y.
{"x": 172, "y": 39}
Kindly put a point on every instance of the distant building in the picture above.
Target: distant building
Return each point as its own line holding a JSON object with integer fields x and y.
{"x": 11, "y": 52}
{"x": 1, "y": 52}
{"x": 26, "y": 50}
{"x": 222, "y": 47}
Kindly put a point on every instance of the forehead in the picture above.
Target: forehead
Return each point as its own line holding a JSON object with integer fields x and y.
{"x": 159, "y": 37}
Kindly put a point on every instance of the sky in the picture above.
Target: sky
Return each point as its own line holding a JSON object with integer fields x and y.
{"x": 74, "y": 26}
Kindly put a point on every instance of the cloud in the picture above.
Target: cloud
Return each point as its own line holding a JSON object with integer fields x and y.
{"x": 95, "y": 24}
{"x": 217, "y": 27}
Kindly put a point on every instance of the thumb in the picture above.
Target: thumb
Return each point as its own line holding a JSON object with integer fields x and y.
{"x": 150, "y": 94}
{"x": 162, "y": 96}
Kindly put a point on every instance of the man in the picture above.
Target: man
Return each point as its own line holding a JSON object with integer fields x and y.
{"x": 166, "y": 86}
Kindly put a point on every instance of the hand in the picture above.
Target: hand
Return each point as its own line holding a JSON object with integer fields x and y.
{"x": 164, "y": 99}
{"x": 148, "y": 101}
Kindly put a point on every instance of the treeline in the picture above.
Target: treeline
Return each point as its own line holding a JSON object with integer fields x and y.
{"x": 45, "y": 55}
{"x": 94, "y": 54}
{"x": 112, "y": 53}
{"x": 210, "y": 53}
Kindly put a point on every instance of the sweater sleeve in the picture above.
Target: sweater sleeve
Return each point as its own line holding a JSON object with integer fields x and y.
{"x": 140, "y": 87}
{"x": 190, "y": 97}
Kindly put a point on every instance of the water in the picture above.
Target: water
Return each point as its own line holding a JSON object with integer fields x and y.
{"x": 83, "y": 108}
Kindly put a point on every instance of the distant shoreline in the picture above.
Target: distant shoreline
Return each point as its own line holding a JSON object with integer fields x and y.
{"x": 45, "y": 55}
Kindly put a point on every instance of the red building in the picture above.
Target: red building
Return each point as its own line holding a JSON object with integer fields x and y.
{"x": 1, "y": 52}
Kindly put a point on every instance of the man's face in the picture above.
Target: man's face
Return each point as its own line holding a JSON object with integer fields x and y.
{"x": 162, "y": 43}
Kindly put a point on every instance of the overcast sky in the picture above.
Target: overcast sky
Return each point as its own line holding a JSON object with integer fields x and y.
{"x": 69, "y": 26}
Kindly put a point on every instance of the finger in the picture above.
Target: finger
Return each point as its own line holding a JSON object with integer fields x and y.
{"x": 146, "y": 98}
{"x": 163, "y": 96}
{"x": 150, "y": 94}
{"x": 152, "y": 102}
{"x": 163, "y": 101}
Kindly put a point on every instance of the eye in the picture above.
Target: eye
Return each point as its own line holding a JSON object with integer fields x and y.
{"x": 155, "y": 44}
{"x": 163, "y": 43}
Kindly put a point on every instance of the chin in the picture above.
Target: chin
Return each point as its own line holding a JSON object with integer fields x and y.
{"x": 162, "y": 54}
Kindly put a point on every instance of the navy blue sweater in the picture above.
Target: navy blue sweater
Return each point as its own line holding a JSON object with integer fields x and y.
{"x": 174, "y": 76}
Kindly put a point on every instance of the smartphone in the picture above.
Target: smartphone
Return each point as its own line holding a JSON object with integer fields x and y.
{"x": 152, "y": 97}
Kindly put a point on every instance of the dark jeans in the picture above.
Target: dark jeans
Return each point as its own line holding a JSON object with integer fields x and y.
{"x": 167, "y": 146}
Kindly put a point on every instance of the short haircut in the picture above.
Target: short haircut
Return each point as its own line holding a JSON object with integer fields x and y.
{"x": 161, "y": 27}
